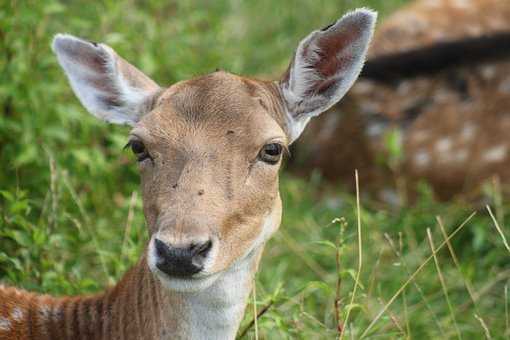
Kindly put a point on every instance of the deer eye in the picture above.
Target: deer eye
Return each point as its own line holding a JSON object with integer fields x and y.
{"x": 138, "y": 149}
{"x": 271, "y": 153}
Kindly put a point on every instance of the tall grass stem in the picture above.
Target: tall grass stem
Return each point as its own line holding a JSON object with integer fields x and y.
{"x": 443, "y": 283}
{"x": 360, "y": 256}
{"x": 411, "y": 278}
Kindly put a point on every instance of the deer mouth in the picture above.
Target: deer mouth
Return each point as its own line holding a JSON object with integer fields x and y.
{"x": 188, "y": 284}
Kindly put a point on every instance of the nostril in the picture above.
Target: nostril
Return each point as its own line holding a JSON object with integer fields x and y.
{"x": 204, "y": 249}
{"x": 161, "y": 248}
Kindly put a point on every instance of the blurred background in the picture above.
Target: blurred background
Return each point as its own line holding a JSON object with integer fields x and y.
{"x": 426, "y": 126}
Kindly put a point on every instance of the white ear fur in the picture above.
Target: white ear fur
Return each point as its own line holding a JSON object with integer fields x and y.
{"x": 108, "y": 86}
{"x": 325, "y": 66}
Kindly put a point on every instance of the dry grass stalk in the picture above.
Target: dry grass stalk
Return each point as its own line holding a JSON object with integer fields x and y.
{"x": 360, "y": 255}
{"x": 500, "y": 231}
{"x": 443, "y": 283}
{"x": 411, "y": 278}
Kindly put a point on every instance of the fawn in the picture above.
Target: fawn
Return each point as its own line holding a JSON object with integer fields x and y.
{"x": 449, "y": 103}
{"x": 209, "y": 151}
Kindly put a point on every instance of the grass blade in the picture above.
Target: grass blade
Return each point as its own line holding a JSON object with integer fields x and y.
{"x": 360, "y": 256}
{"x": 411, "y": 278}
{"x": 507, "y": 319}
{"x": 255, "y": 314}
{"x": 415, "y": 283}
{"x": 500, "y": 231}
{"x": 484, "y": 326}
{"x": 443, "y": 283}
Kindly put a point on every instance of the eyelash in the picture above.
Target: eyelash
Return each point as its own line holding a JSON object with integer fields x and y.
{"x": 139, "y": 150}
{"x": 271, "y": 153}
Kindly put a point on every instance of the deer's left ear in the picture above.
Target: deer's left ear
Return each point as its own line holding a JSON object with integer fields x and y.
{"x": 325, "y": 65}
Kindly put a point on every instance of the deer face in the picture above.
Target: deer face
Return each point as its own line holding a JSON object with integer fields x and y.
{"x": 209, "y": 154}
{"x": 209, "y": 149}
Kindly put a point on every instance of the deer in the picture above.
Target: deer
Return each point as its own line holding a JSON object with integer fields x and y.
{"x": 445, "y": 90}
{"x": 209, "y": 151}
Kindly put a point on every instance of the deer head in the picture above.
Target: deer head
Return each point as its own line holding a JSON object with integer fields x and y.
{"x": 209, "y": 149}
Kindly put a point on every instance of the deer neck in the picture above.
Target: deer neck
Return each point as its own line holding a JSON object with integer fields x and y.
{"x": 152, "y": 311}
{"x": 138, "y": 307}
{"x": 212, "y": 313}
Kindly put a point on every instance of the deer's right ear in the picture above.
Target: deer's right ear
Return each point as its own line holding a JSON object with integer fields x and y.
{"x": 324, "y": 67}
{"x": 108, "y": 86}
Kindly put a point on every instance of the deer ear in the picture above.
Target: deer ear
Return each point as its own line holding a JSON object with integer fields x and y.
{"x": 108, "y": 86}
{"x": 324, "y": 67}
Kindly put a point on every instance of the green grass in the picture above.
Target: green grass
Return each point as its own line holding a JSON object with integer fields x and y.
{"x": 71, "y": 218}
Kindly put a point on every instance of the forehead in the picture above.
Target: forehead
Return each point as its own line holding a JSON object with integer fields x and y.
{"x": 216, "y": 104}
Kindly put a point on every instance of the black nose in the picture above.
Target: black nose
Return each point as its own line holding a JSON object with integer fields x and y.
{"x": 181, "y": 261}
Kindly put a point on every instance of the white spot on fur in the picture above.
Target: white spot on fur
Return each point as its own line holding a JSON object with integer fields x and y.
{"x": 462, "y": 4}
{"x": 460, "y": 156}
{"x": 375, "y": 129}
{"x": 433, "y": 3}
{"x": 442, "y": 97}
{"x": 468, "y": 131}
{"x": 413, "y": 22}
{"x": 496, "y": 154}
{"x": 444, "y": 144}
{"x": 17, "y": 314}
{"x": 504, "y": 87}
{"x": 474, "y": 30}
{"x": 420, "y": 136}
{"x": 5, "y": 324}
{"x": 45, "y": 311}
{"x": 497, "y": 23}
{"x": 488, "y": 72}
{"x": 404, "y": 88}
{"x": 421, "y": 159}
{"x": 438, "y": 35}
{"x": 56, "y": 313}
{"x": 367, "y": 106}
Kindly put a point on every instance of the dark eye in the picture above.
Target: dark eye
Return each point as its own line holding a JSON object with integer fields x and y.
{"x": 138, "y": 149}
{"x": 271, "y": 153}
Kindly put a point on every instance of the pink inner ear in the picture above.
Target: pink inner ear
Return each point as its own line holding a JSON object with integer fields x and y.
{"x": 334, "y": 52}
{"x": 326, "y": 64}
{"x": 94, "y": 59}
{"x": 86, "y": 55}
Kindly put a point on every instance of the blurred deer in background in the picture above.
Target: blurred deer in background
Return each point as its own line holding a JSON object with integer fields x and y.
{"x": 209, "y": 151}
{"x": 438, "y": 74}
